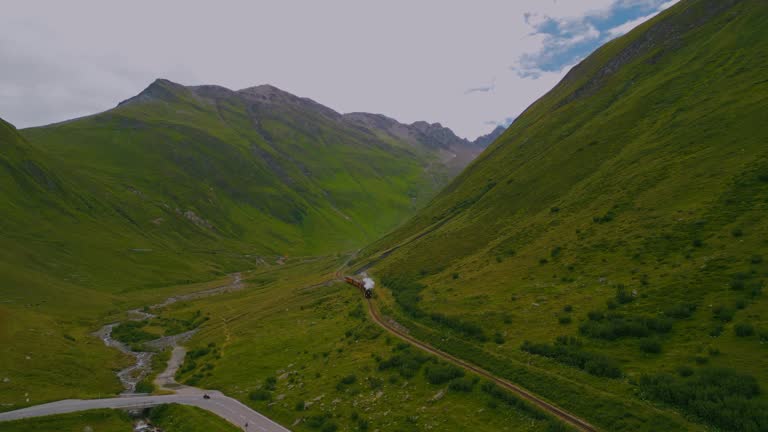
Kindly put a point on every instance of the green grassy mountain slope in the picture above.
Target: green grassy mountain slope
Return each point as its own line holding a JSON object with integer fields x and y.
{"x": 261, "y": 166}
{"x": 627, "y": 209}
{"x": 176, "y": 185}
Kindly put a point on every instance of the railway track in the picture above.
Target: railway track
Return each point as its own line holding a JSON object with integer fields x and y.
{"x": 561, "y": 414}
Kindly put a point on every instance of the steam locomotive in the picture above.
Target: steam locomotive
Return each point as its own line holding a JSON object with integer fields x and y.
{"x": 360, "y": 285}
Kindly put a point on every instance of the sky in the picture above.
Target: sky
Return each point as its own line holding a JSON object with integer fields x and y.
{"x": 469, "y": 65}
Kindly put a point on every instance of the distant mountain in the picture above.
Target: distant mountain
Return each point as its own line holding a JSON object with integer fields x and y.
{"x": 486, "y": 140}
{"x": 609, "y": 248}
{"x": 178, "y": 169}
{"x": 454, "y": 152}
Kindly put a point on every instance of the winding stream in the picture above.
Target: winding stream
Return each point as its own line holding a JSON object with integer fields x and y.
{"x": 142, "y": 364}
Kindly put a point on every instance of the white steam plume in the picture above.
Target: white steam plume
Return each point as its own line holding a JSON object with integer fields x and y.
{"x": 368, "y": 283}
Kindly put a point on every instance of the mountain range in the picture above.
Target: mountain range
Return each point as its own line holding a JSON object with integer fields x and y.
{"x": 605, "y": 252}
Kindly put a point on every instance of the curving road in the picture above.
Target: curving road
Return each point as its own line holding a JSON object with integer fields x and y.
{"x": 219, "y": 404}
{"x": 530, "y": 397}
{"x": 225, "y": 407}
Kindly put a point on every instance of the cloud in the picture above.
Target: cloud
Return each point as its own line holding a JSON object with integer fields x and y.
{"x": 483, "y": 89}
{"x": 505, "y": 123}
{"x": 60, "y": 60}
{"x": 567, "y": 40}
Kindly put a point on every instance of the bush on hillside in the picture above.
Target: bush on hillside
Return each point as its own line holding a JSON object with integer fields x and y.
{"x": 567, "y": 350}
{"x": 441, "y": 373}
{"x": 723, "y": 313}
{"x": 650, "y": 346}
{"x": 615, "y": 326}
{"x": 407, "y": 362}
{"x": 723, "y": 398}
{"x": 260, "y": 395}
{"x": 463, "y": 384}
{"x": 744, "y": 329}
{"x": 680, "y": 311}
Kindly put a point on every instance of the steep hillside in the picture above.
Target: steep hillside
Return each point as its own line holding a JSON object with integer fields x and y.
{"x": 282, "y": 173}
{"x": 624, "y": 212}
{"x": 176, "y": 185}
{"x": 176, "y": 174}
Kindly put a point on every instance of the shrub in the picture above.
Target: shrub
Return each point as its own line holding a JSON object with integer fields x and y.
{"x": 300, "y": 406}
{"x": 464, "y": 385}
{"x": 595, "y": 315}
{"x": 622, "y": 295}
{"x": 608, "y": 217}
{"x": 467, "y": 328}
{"x": 260, "y": 395}
{"x": 441, "y": 373}
{"x": 270, "y": 383}
{"x": 564, "y": 319}
{"x": 685, "y": 371}
{"x": 756, "y": 259}
{"x": 737, "y": 284}
{"x": 144, "y": 387}
{"x": 723, "y": 398}
{"x": 375, "y": 383}
{"x": 317, "y": 421}
{"x": 615, "y": 326}
{"x": 650, "y": 346}
{"x": 744, "y": 330}
{"x": 362, "y": 425}
{"x": 567, "y": 308}
{"x": 349, "y": 379}
{"x": 717, "y": 330}
{"x": 455, "y": 276}
{"x": 680, "y": 311}
{"x": 737, "y": 232}
{"x": 132, "y": 333}
{"x": 724, "y": 313}
{"x": 498, "y": 338}
{"x": 567, "y": 350}
{"x": 407, "y": 362}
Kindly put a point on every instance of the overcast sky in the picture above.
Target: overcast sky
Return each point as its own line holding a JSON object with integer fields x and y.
{"x": 469, "y": 65}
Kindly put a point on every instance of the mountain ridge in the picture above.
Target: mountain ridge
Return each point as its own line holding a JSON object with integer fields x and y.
{"x": 614, "y": 234}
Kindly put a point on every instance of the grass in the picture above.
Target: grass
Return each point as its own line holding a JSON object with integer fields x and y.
{"x": 311, "y": 359}
{"x": 653, "y": 156}
{"x": 107, "y": 212}
{"x": 626, "y": 208}
{"x": 175, "y": 417}
{"x": 171, "y": 417}
{"x": 95, "y": 420}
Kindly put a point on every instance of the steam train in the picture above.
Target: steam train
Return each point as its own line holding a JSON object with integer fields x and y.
{"x": 367, "y": 292}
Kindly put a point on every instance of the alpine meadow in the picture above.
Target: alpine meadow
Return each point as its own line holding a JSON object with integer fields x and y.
{"x": 200, "y": 258}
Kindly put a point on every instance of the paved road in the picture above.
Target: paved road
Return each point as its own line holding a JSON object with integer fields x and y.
{"x": 525, "y": 394}
{"x": 223, "y": 406}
